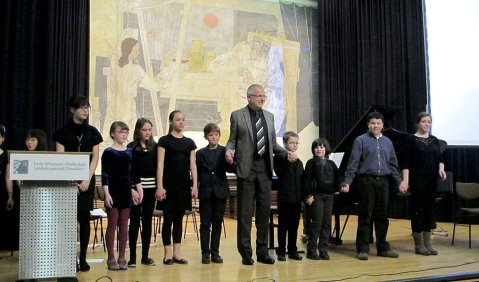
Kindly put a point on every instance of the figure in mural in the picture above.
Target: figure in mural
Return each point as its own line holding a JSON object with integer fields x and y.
{"x": 258, "y": 62}
{"x": 127, "y": 77}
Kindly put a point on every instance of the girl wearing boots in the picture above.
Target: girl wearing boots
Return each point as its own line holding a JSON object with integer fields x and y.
{"x": 422, "y": 166}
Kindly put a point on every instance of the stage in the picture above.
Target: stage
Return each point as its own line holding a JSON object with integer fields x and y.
{"x": 343, "y": 265}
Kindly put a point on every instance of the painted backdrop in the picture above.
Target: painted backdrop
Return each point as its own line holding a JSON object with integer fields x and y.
{"x": 149, "y": 57}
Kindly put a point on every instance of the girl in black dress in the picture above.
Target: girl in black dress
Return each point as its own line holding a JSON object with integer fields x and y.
{"x": 78, "y": 136}
{"x": 422, "y": 166}
{"x": 145, "y": 163}
{"x": 176, "y": 161}
{"x": 117, "y": 178}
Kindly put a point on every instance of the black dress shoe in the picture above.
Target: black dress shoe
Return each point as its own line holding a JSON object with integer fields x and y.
{"x": 281, "y": 257}
{"x": 205, "y": 259}
{"x": 180, "y": 261}
{"x": 266, "y": 259}
{"x": 313, "y": 256}
{"x": 247, "y": 261}
{"x": 295, "y": 256}
{"x": 167, "y": 261}
{"x": 216, "y": 259}
{"x": 323, "y": 255}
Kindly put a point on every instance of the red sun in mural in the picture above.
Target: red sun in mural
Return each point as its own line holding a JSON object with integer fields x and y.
{"x": 210, "y": 20}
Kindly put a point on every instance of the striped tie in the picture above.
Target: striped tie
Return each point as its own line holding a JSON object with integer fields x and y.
{"x": 260, "y": 135}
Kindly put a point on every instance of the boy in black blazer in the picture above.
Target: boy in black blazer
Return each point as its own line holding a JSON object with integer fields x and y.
{"x": 289, "y": 198}
{"x": 213, "y": 190}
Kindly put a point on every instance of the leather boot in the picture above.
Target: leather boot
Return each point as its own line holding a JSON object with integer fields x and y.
{"x": 427, "y": 243}
{"x": 419, "y": 247}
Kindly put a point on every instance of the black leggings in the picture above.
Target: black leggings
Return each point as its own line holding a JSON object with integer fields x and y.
{"x": 144, "y": 211}
{"x": 83, "y": 218}
{"x": 172, "y": 217}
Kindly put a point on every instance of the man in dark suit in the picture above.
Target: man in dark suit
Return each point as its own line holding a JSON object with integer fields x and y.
{"x": 251, "y": 145}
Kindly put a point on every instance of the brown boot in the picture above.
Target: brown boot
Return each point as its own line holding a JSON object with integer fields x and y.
{"x": 427, "y": 243}
{"x": 419, "y": 248}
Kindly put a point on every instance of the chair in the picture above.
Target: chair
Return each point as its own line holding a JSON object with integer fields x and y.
{"x": 192, "y": 212}
{"x": 97, "y": 215}
{"x": 157, "y": 215}
{"x": 466, "y": 192}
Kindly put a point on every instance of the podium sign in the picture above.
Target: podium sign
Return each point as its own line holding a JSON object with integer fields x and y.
{"x": 48, "y": 211}
{"x": 36, "y": 166}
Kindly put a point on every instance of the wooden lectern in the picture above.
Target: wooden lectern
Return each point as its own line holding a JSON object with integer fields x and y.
{"x": 48, "y": 211}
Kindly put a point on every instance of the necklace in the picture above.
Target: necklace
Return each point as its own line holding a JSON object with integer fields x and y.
{"x": 79, "y": 141}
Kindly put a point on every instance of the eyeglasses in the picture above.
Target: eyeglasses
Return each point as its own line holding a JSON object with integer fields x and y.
{"x": 123, "y": 132}
{"x": 84, "y": 108}
{"x": 293, "y": 143}
{"x": 258, "y": 96}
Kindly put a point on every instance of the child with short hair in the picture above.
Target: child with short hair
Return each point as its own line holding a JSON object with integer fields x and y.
{"x": 213, "y": 189}
{"x": 117, "y": 178}
{"x": 321, "y": 181}
{"x": 289, "y": 198}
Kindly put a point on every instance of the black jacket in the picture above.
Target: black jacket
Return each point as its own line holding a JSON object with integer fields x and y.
{"x": 320, "y": 177}
{"x": 212, "y": 173}
{"x": 289, "y": 179}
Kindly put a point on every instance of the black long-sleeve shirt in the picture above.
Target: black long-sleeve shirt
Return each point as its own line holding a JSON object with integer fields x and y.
{"x": 321, "y": 176}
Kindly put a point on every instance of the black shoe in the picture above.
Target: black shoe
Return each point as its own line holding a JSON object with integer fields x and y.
{"x": 247, "y": 261}
{"x": 323, "y": 255}
{"x": 216, "y": 259}
{"x": 295, "y": 256}
{"x": 281, "y": 257}
{"x": 131, "y": 263}
{"x": 313, "y": 256}
{"x": 180, "y": 261}
{"x": 205, "y": 259}
{"x": 84, "y": 266}
{"x": 167, "y": 261}
{"x": 266, "y": 259}
{"x": 147, "y": 261}
{"x": 388, "y": 254}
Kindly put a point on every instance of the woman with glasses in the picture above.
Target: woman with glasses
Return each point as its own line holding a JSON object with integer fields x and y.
{"x": 78, "y": 136}
{"x": 117, "y": 177}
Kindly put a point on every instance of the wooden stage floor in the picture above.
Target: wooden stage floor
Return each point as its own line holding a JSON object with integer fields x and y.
{"x": 343, "y": 265}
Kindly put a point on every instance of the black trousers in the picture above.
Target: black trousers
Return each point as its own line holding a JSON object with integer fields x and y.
{"x": 144, "y": 213}
{"x": 255, "y": 190}
{"x": 320, "y": 227}
{"x": 212, "y": 211}
{"x": 288, "y": 222}
{"x": 172, "y": 217}
{"x": 83, "y": 218}
{"x": 373, "y": 195}
{"x": 422, "y": 201}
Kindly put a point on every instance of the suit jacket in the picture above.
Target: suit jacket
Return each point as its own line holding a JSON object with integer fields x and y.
{"x": 242, "y": 141}
{"x": 212, "y": 176}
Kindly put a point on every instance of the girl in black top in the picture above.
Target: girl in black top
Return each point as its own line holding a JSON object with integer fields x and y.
{"x": 321, "y": 181}
{"x": 145, "y": 163}
{"x": 176, "y": 161}
{"x": 117, "y": 177}
{"x": 421, "y": 168}
{"x": 78, "y": 136}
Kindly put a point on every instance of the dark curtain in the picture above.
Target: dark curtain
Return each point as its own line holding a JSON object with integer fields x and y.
{"x": 370, "y": 52}
{"x": 44, "y": 52}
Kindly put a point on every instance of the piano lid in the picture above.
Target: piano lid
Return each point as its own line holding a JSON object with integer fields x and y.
{"x": 361, "y": 126}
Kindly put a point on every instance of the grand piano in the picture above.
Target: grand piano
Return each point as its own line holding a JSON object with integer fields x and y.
{"x": 344, "y": 203}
